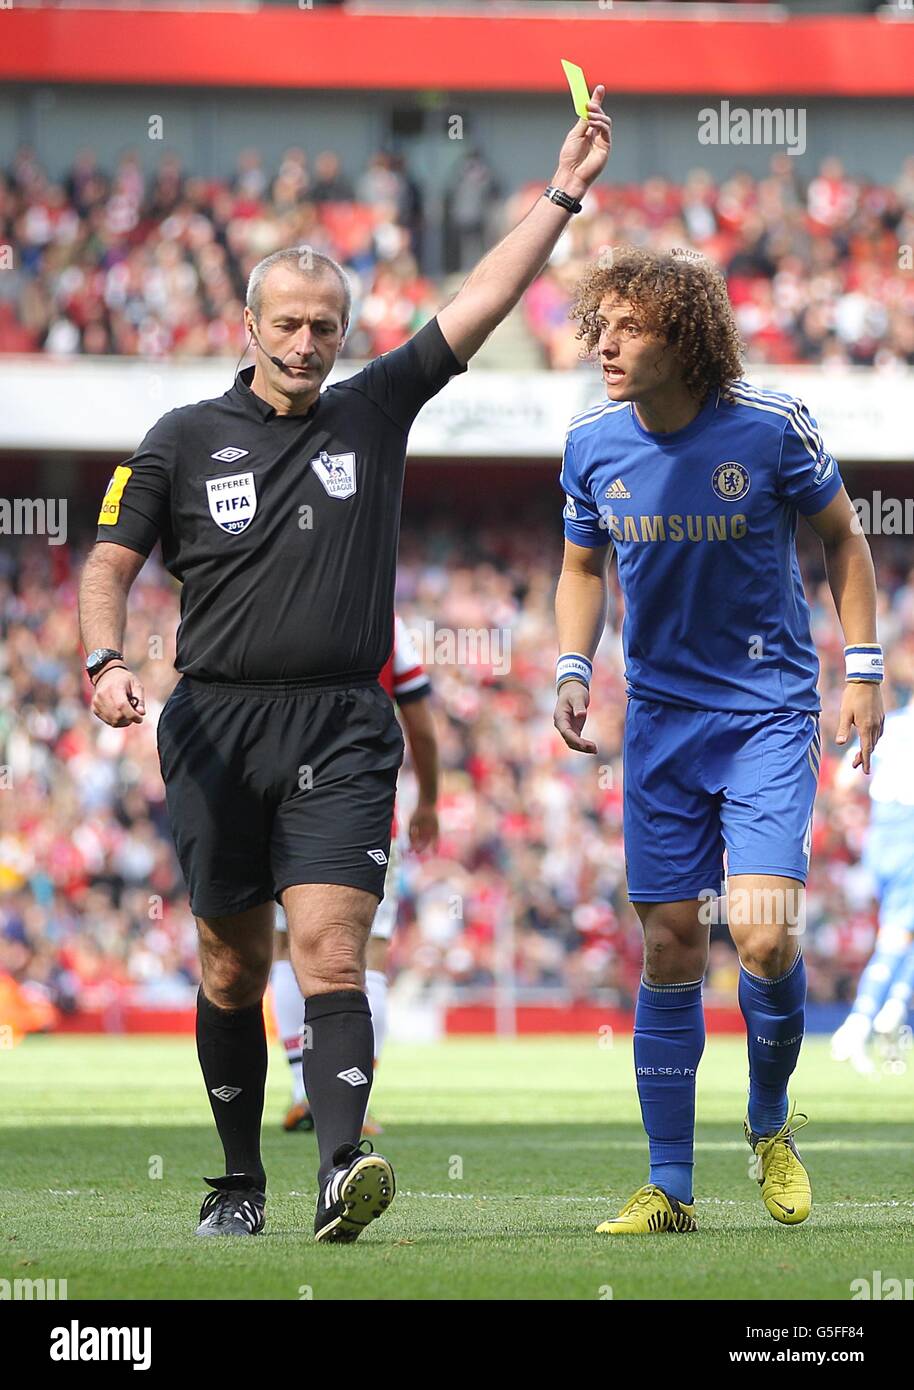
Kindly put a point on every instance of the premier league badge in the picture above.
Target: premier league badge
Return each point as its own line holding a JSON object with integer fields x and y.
{"x": 336, "y": 472}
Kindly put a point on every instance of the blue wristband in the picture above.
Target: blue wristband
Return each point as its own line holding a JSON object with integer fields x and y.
{"x": 864, "y": 662}
{"x": 573, "y": 667}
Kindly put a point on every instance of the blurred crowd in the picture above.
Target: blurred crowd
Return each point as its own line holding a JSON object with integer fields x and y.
{"x": 817, "y": 273}
{"x": 527, "y": 880}
{"x": 121, "y": 261}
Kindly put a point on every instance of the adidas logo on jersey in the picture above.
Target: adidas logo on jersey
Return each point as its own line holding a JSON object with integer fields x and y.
{"x": 617, "y": 490}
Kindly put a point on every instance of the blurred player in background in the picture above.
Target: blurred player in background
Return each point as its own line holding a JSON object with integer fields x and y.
{"x": 884, "y": 992}
{"x": 406, "y": 682}
{"x": 698, "y": 478}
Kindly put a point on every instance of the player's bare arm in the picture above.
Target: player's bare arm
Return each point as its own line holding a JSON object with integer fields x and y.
{"x": 852, "y": 579}
{"x": 419, "y": 724}
{"x": 492, "y": 289}
{"x": 580, "y": 613}
{"x": 106, "y": 580}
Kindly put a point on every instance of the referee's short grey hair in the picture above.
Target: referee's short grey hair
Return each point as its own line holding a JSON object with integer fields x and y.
{"x": 304, "y": 259}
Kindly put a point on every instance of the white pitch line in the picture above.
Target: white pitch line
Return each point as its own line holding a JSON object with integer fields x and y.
{"x": 523, "y": 1197}
{"x": 533, "y": 1197}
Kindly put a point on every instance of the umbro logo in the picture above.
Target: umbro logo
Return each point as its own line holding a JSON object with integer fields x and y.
{"x": 617, "y": 489}
{"x": 377, "y": 855}
{"x": 226, "y": 1092}
{"x": 230, "y": 455}
{"x": 354, "y": 1075}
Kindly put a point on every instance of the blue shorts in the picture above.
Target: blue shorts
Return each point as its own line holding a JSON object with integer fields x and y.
{"x": 697, "y": 782}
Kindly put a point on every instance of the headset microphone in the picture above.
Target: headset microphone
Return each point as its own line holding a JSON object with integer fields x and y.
{"x": 277, "y": 361}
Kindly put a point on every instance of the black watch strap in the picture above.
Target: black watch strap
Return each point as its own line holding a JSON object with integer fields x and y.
{"x": 561, "y": 198}
{"x": 99, "y": 659}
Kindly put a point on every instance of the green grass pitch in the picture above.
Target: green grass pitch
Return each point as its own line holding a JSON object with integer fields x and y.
{"x": 507, "y": 1154}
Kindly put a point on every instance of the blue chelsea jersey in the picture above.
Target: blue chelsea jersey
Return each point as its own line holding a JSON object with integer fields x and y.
{"x": 703, "y": 521}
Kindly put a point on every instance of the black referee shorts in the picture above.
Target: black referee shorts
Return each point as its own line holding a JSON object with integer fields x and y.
{"x": 268, "y": 786}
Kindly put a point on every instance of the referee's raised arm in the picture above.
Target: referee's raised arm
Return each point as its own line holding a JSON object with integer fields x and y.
{"x": 495, "y": 285}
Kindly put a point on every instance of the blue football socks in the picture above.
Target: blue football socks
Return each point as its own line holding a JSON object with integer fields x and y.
{"x": 775, "y": 1012}
{"x": 668, "y": 1043}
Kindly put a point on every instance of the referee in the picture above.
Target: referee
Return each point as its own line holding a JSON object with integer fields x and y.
{"x": 277, "y": 506}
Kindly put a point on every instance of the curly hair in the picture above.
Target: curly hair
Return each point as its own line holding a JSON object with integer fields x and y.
{"x": 682, "y": 298}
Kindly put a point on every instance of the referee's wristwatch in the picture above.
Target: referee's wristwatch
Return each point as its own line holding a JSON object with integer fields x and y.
{"x": 562, "y": 199}
{"x": 99, "y": 659}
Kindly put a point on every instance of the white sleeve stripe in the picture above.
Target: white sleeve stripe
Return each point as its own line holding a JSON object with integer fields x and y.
{"x": 809, "y": 437}
{"x": 597, "y": 409}
{"x": 403, "y": 687}
{"x": 796, "y": 411}
{"x": 764, "y": 392}
{"x": 606, "y": 410}
{"x": 408, "y": 673}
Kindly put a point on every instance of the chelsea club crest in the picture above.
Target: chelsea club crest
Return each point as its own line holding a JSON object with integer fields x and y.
{"x": 730, "y": 481}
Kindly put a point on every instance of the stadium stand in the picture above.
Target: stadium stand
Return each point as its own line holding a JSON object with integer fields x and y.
{"x": 115, "y": 262}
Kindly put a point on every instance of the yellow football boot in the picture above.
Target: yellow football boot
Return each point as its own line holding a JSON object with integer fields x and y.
{"x": 648, "y": 1213}
{"x": 777, "y": 1168}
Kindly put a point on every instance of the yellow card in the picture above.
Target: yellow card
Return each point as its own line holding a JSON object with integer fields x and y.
{"x": 580, "y": 94}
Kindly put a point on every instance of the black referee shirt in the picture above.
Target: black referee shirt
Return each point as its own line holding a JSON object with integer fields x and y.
{"x": 283, "y": 529}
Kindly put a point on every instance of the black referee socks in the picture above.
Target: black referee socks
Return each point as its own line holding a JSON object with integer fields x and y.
{"x": 337, "y": 1064}
{"x": 232, "y": 1047}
